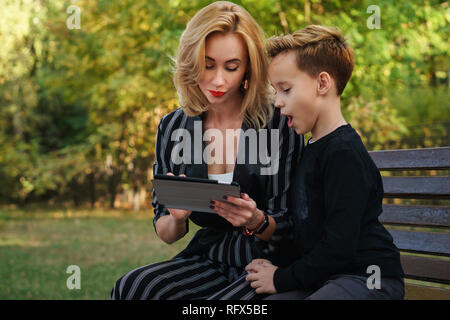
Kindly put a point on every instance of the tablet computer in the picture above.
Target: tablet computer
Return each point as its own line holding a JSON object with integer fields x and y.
{"x": 192, "y": 193}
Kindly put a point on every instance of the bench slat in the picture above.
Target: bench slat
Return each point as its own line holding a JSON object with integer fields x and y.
{"x": 417, "y": 292}
{"x": 429, "y": 216}
{"x": 422, "y": 242}
{"x": 431, "y": 187}
{"x": 426, "y": 269}
{"x": 417, "y": 187}
{"x": 412, "y": 159}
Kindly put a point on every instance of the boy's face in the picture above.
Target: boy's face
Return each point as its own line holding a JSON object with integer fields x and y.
{"x": 296, "y": 92}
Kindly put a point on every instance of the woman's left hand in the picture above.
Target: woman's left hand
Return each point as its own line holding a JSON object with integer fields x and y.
{"x": 239, "y": 211}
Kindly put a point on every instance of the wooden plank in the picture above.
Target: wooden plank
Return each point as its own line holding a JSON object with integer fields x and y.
{"x": 422, "y": 242}
{"x": 426, "y": 269}
{"x": 417, "y": 187}
{"x": 428, "y": 216}
{"x": 417, "y": 292}
{"x": 412, "y": 159}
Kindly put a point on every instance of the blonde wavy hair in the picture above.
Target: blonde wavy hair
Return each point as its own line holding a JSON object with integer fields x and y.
{"x": 225, "y": 17}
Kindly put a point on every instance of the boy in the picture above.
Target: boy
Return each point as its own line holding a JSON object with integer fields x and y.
{"x": 340, "y": 249}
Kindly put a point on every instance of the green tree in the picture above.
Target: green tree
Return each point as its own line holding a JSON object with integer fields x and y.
{"x": 79, "y": 108}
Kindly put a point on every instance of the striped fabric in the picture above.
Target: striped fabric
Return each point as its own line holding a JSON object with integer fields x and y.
{"x": 190, "y": 278}
{"x": 212, "y": 265}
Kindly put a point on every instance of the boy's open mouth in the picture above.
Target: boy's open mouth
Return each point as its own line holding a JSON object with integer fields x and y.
{"x": 290, "y": 121}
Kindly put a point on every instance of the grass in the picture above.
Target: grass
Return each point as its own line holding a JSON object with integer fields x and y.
{"x": 37, "y": 246}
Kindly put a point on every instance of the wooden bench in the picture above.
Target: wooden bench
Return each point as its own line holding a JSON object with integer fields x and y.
{"x": 421, "y": 232}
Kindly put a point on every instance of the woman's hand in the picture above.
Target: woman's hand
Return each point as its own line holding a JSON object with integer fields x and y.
{"x": 239, "y": 211}
{"x": 260, "y": 275}
{"x": 179, "y": 214}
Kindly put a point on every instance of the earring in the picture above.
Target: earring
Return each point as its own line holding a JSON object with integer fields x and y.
{"x": 245, "y": 84}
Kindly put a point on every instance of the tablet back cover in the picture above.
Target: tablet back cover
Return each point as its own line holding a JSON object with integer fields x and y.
{"x": 195, "y": 196}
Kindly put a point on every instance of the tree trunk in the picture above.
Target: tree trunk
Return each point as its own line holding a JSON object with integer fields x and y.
{"x": 74, "y": 190}
{"x": 112, "y": 188}
{"x": 136, "y": 198}
{"x": 92, "y": 193}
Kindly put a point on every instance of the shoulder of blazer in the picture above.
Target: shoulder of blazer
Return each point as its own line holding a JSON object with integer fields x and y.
{"x": 275, "y": 122}
{"x": 171, "y": 120}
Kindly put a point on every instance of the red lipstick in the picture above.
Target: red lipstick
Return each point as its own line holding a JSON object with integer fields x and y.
{"x": 217, "y": 93}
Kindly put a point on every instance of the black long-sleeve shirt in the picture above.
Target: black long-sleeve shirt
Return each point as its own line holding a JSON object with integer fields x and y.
{"x": 336, "y": 198}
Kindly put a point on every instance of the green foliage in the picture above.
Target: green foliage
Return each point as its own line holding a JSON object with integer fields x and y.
{"x": 79, "y": 108}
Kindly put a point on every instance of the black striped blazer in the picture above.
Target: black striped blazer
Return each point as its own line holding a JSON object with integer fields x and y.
{"x": 270, "y": 192}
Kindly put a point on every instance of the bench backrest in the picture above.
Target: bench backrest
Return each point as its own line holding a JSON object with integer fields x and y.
{"x": 425, "y": 253}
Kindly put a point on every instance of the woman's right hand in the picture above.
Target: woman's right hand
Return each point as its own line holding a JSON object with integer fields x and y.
{"x": 179, "y": 214}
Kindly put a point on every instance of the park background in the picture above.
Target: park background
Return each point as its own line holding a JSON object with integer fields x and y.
{"x": 79, "y": 108}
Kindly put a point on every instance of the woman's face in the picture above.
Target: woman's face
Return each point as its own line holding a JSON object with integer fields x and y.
{"x": 225, "y": 65}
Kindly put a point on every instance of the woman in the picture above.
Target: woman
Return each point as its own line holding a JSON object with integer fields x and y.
{"x": 221, "y": 79}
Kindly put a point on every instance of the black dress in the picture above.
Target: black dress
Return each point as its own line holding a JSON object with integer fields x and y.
{"x": 215, "y": 258}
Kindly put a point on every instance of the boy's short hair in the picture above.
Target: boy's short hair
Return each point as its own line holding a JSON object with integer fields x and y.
{"x": 318, "y": 49}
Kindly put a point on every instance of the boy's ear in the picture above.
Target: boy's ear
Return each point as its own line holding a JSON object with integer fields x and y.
{"x": 324, "y": 83}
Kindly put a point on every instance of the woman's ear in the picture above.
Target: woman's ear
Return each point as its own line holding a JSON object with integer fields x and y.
{"x": 245, "y": 80}
{"x": 324, "y": 83}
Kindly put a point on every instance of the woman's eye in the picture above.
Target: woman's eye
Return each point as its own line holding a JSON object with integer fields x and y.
{"x": 227, "y": 68}
{"x": 286, "y": 90}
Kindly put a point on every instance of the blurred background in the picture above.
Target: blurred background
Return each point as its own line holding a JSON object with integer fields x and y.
{"x": 84, "y": 84}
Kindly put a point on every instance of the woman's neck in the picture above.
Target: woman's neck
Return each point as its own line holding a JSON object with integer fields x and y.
{"x": 220, "y": 115}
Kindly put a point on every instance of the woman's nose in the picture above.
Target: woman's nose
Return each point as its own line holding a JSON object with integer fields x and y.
{"x": 218, "y": 79}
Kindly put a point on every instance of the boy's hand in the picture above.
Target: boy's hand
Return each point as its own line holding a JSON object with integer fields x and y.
{"x": 260, "y": 274}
